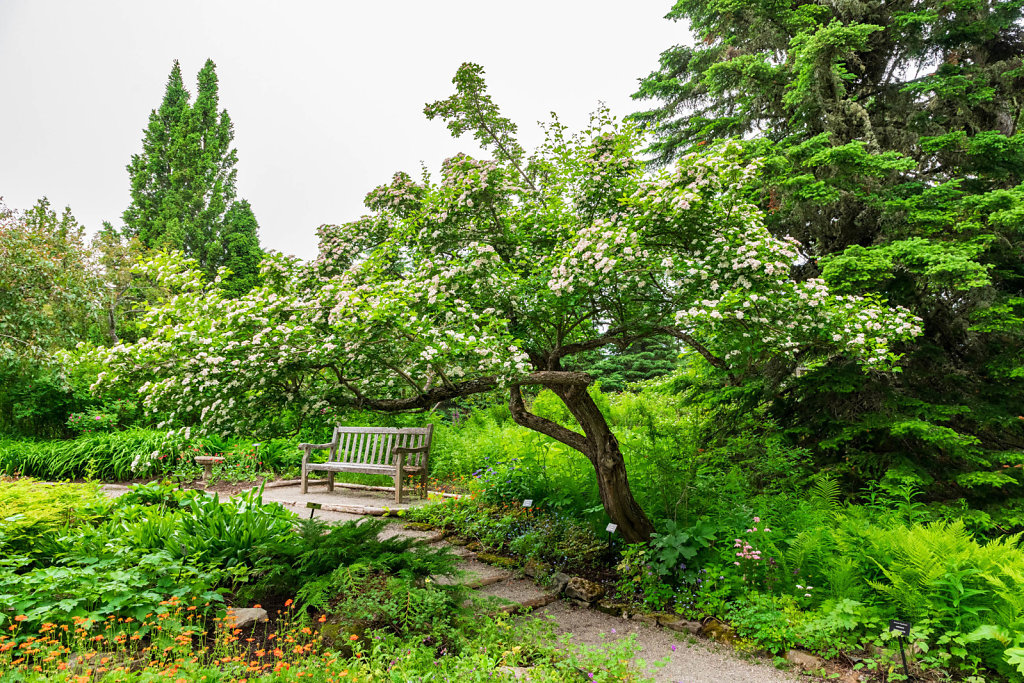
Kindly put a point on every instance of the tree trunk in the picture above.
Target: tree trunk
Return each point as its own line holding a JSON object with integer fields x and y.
{"x": 602, "y": 449}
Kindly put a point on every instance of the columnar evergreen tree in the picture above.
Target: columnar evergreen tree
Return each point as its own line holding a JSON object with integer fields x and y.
{"x": 895, "y": 154}
{"x": 183, "y": 183}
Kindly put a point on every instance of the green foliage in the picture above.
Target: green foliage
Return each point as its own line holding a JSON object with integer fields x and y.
{"x": 549, "y": 536}
{"x": 183, "y": 184}
{"x": 31, "y": 512}
{"x": 94, "y": 421}
{"x": 49, "y": 297}
{"x": 114, "y": 456}
{"x": 645, "y": 360}
{"x": 204, "y": 529}
{"x": 317, "y": 551}
{"x": 893, "y": 152}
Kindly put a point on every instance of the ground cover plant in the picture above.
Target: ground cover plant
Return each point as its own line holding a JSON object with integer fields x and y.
{"x": 174, "y": 645}
{"x": 137, "y": 588}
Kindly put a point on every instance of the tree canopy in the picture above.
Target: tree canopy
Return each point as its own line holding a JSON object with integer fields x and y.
{"x": 49, "y": 295}
{"x": 490, "y": 278}
{"x": 893, "y": 150}
{"x": 183, "y": 183}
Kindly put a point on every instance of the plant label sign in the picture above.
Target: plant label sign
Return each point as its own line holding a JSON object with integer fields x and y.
{"x": 611, "y": 528}
{"x": 528, "y": 503}
{"x": 314, "y": 506}
{"x": 901, "y": 627}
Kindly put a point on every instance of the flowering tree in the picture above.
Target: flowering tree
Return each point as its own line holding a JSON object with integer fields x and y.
{"x": 494, "y": 277}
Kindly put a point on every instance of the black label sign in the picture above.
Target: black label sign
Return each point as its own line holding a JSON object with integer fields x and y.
{"x": 901, "y": 627}
{"x": 611, "y": 528}
{"x": 314, "y": 506}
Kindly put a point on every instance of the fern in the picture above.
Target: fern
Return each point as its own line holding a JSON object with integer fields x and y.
{"x": 827, "y": 492}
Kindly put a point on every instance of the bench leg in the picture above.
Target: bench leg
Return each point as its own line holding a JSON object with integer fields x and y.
{"x": 330, "y": 481}
{"x": 305, "y": 481}
{"x": 398, "y": 489}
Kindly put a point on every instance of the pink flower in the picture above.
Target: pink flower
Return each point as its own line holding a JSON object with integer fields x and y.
{"x": 736, "y": 563}
{"x": 757, "y": 519}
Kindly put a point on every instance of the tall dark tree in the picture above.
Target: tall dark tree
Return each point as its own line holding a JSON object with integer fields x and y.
{"x": 183, "y": 183}
{"x": 895, "y": 153}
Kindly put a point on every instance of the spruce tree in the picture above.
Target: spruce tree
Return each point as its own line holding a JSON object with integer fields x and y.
{"x": 892, "y": 134}
{"x": 645, "y": 359}
{"x": 183, "y": 183}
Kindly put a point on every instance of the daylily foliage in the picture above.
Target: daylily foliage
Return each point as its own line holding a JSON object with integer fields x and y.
{"x": 494, "y": 275}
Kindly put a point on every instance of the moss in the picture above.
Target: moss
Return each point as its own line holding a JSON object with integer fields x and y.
{"x": 497, "y": 560}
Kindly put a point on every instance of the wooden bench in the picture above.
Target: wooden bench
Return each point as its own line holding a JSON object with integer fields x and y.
{"x": 372, "y": 450}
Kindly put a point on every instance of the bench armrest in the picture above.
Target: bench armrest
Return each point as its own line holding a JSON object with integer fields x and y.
{"x": 312, "y": 446}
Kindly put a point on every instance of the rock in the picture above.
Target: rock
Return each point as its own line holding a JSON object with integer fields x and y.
{"x": 537, "y": 570}
{"x": 240, "y": 618}
{"x": 474, "y": 546}
{"x": 651, "y": 619}
{"x": 579, "y": 588}
{"x": 418, "y": 526}
{"x": 677, "y": 623}
{"x": 520, "y": 673}
{"x": 612, "y": 607}
{"x": 457, "y": 540}
{"x": 559, "y": 581}
{"x": 804, "y": 660}
{"x": 716, "y": 630}
{"x": 851, "y": 677}
{"x": 532, "y": 603}
{"x": 580, "y": 603}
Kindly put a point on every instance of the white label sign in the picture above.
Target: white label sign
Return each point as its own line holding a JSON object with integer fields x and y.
{"x": 528, "y": 503}
{"x": 611, "y": 528}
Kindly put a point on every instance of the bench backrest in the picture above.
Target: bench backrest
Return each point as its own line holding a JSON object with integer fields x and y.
{"x": 372, "y": 445}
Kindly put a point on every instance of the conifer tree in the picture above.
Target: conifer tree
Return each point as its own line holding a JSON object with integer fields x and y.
{"x": 183, "y": 183}
{"x": 895, "y": 153}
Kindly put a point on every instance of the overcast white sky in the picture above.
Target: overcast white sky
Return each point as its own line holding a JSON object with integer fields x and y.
{"x": 326, "y": 97}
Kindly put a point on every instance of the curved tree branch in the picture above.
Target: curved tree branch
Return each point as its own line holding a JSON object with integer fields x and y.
{"x": 427, "y": 398}
{"x": 556, "y": 431}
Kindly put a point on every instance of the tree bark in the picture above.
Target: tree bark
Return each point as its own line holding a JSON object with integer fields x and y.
{"x": 600, "y": 446}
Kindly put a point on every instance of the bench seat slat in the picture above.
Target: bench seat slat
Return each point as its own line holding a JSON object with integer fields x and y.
{"x": 363, "y": 469}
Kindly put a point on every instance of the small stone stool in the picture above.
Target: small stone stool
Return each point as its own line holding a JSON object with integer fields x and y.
{"x": 208, "y": 461}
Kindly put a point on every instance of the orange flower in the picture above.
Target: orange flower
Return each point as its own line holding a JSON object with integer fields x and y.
{"x": 287, "y": 602}
{"x": 20, "y": 617}
{"x": 353, "y": 637}
{"x": 323, "y": 618}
